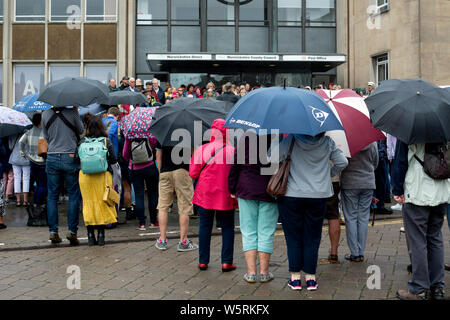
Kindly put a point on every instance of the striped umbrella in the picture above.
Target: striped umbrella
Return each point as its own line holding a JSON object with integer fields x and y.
{"x": 353, "y": 114}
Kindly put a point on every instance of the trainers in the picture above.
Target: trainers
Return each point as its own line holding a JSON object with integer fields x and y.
{"x": 263, "y": 278}
{"x": 311, "y": 285}
{"x": 54, "y": 238}
{"x": 72, "y": 237}
{"x": 437, "y": 294}
{"x": 189, "y": 246}
{"x": 141, "y": 227}
{"x": 402, "y": 230}
{"x": 161, "y": 245}
{"x": 250, "y": 278}
{"x": 397, "y": 207}
{"x": 295, "y": 284}
{"x": 406, "y": 295}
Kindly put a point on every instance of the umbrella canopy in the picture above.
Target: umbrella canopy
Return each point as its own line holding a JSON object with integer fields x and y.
{"x": 125, "y": 97}
{"x": 74, "y": 92}
{"x": 95, "y": 109}
{"x": 413, "y": 110}
{"x": 288, "y": 110}
{"x": 352, "y": 112}
{"x": 136, "y": 125}
{"x": 182, "y": 113}
{"x": 12, "y": 122}
{"x": 31, "y": 103}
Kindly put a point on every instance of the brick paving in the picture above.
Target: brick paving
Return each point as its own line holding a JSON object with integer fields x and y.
{"x": 137, "y": 270}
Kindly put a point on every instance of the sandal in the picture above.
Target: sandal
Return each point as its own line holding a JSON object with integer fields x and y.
{"x": 250, "y": 278}
{"x": 333, "y": 259}
{"x": 18, "y": 204}
{"x": 264, "y": 278}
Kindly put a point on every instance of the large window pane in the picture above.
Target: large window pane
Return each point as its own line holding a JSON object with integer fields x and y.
{"x": 58, "y": 72}
{"x": 185, "y": 10}
{"x": 149, "y": 39}
{"x": 320, "y": 12}
{"x": 198, "y": 79}
{"x": 256, "y": 10}
{"x": 150, "y": 10}
{"x": 220, "y": 11}
{"x": 289, "y": 12}
{"x": 293, "y": 79}
{"x": 185, "y": 39}
{"x": 61, "y": 10}
{"x": 321, "y": 40}
{"x": 221, "y": 39}
{"x": 100, "y": 72}
{"x": 289, "y": 40}
{"x": 30, "y": 10}
{"x": 28, "y": 79}
{"x": 1, "y": 84}
{"x": 101, "y": 10}
{"x": 253, "y": 39}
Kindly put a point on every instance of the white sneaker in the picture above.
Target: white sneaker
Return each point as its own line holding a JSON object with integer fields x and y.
{"x": 141, "y": 228}
{"x": 402, "y": 229}
{"x": 397, "y": 207}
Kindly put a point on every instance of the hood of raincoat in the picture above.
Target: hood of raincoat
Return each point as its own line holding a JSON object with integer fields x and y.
{"x": 219, "y": 131}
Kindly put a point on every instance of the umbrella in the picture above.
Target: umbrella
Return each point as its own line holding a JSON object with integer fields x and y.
{"x": 12, "y": 122}
{"x": 31, "y": 103}
{"x": 125, "y": 97}
{"x": 351, "y": 110}
{"x": 94, "y": 109}
{"x": 413, "y": 110}
{"x": 74, "y": 92}
{"x": 288, "y": 110}
{"x": 136, "y": 125}
{"x": 183, "y": 113}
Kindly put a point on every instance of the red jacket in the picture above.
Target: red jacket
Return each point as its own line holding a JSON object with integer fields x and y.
{"x": 211, "y": 191}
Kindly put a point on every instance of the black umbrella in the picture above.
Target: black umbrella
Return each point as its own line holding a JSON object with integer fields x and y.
{"x": 182, "y": 113}
{"x": 74, "y": 92}
{"x": 413, "y": 110}
{"x": 125, "y": 97}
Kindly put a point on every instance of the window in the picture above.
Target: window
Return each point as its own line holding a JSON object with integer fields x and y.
{"x": 101, "y": 10}
{"x": 320, "y": 13}
{"x": 60, "y": 71}
{"x": 145, "y": 43}
{"x": 185, "y": 12}
{"x": 253, "y": 39}
{"x": 320, "y": 40}
{"x": 383, "y": 5}
{"x": 100, "y": 72}
{"x": 221, "y": 39}
{"x": 30, "y": 10}
{"x": 28, "y": 79}
{"x": 381, "y": 64}
{"x": 1, "y": 10}
{"x": 152, "y": 12}
{"x": 289, "y": 12}
{"x": 1, "y": 84}
{"x": 220, "y": 13}
{"x": 61, "y": 10}
{"x": 254, "y": 12}
{"x": 185, "y": 39}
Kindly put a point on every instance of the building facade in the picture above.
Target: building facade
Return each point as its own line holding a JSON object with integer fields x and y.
{"x": 181, "y": 41}
{"x": 391, "y": 39}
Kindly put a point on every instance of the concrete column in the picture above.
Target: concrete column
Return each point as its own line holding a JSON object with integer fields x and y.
{"x": 131, "y": 59}
{"x": 7, "y": 54}
{"x": 342, "y": 36}
{"x": 121, "y": 40}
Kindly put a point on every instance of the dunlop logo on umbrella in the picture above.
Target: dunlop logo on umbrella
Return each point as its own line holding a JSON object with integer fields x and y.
{"x": 319, "y": 115}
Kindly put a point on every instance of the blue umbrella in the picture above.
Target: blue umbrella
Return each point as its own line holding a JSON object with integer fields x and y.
{"x": 30, "y": 103}
{"x": 288, "y": 110}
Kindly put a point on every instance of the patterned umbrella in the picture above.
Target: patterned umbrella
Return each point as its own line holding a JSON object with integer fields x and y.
{"x": 136, "y": 125}
{"x": 12, "y": 122}
{"x": 352, "y": 112}
{"x": 30, "y": 103}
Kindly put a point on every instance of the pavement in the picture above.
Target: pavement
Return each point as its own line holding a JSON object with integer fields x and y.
{"x": 129, "y": 267}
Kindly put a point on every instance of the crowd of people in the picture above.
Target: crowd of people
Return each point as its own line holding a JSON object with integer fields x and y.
{"x": 322, "y": 183}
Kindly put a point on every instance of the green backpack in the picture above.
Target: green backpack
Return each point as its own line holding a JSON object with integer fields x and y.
{"x": 93, "y": 153}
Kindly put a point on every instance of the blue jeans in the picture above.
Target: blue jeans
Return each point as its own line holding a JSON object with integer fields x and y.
{"x": 302, "y": 221}
{"x": 226, "y": 219}
{"x": 59, "y": 167}
{"x": 150, "y": 177}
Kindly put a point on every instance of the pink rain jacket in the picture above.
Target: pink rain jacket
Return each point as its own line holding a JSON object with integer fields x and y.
{"x": 211, "y": 191}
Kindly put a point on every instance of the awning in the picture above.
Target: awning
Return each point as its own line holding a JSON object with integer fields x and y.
{"x": 202, "y": 62}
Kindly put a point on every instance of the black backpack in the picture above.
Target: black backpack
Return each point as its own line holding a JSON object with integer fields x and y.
{"x": 436, "y": 163}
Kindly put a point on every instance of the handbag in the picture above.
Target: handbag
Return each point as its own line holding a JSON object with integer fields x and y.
{"x": 42, "y": 147}
{"x": 277, "y": 186}
{"x": 110, "y": 196}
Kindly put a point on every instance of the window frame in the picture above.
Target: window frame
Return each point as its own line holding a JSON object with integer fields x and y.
{"x": 56, "y": 21}
{"x": 377, "y": 64}
{"x": 85, "y": 14}
{"x": 62, "y": 64}
{"x": 100, "y": 64}
{"x": 383, "y": 7}
{"x": 14, "y": 65}
{"x": 37, "y": 21}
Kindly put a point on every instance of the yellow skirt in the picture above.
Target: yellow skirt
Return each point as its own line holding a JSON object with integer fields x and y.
{"x": 95, "y": 211}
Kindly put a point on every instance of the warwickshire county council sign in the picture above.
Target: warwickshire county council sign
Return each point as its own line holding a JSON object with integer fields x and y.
{"x": 246, "y": 57}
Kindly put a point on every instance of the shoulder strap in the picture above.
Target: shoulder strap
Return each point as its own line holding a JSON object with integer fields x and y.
{"x": 215, "y": 153}
{"x": 422, "y": 163}
{"x": 291, "y": 148}
{"x": 52, "y": 119}
{"x": 66, "y": 122}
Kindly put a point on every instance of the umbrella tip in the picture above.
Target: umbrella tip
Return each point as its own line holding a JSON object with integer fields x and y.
{"x": 284, "y": 84}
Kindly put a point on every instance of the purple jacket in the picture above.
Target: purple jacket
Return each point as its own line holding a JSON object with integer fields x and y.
{"x": 245, "y": 180}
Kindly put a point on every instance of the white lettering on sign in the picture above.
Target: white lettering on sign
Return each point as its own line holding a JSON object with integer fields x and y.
{"x": 29, "y": 88}
{"x": 179, "y": 56}
{"x": 247, "y": 57}
{"x": 314, "y": 58}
